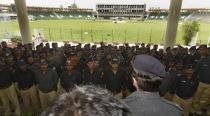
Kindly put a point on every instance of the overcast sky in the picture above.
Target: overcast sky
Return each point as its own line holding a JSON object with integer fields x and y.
{"x": 92, "y": 3}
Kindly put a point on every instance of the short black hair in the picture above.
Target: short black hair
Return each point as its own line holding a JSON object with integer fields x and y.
{"x": 87, "y": 101}
{"x": 148, "y": 83}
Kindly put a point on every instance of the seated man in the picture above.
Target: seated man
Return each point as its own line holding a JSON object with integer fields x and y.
{"x": 87, "y": 101}
{"x": 146, "y": 101}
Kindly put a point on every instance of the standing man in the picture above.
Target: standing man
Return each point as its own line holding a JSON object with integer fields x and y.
{"x": 184, "y": 87}
{"x": 146, "y": 101}
{"x": 25, "y": 79}
{"x": 46, "y": 80}
{"x": 5, "y": 49}
{"x": 115, "y": 77}
{"x": 201, "y": 99}
{"x": 70, "y": 77}
{"x": 7, "y": 91}
{"x": 92, "y": 74}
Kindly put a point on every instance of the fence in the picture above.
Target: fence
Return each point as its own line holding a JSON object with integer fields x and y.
{"x": 109, "y": 36}
{"x": 96, "y": 35}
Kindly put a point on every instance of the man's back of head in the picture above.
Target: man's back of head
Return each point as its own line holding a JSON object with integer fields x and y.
{"x": 87, "y": 101}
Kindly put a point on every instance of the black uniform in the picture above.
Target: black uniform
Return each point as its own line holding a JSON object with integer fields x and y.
{"x": 203, "y": 70}
{"x": 94, "y": 78}
{"x": 115, "y": 82}
{"x": 183, "y": 87}
{"x": 25, "y": 79}
{"x": 6, "y": 79}
{"x": 167, "y": 83}
{"x": 69, "y": 80}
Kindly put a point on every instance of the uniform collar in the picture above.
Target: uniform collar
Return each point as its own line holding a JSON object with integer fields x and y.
{"x": 146, "y": 95}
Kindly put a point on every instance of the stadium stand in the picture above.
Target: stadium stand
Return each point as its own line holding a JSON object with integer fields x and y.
{"x": 186, "y": 14}
{"x": 59, "y": 15}
{"x": 199, "y": 16}
{"x": 47, "y": 13}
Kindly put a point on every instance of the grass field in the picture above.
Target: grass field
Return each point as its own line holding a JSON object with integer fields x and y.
{"x": 106, "y": 30}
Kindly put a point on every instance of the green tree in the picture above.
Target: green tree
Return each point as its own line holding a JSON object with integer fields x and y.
{"x": 190, "y": 28}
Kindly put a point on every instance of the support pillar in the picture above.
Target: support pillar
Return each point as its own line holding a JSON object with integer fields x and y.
{"x": 173, "y": 19}
{"x": 22, "y": 14}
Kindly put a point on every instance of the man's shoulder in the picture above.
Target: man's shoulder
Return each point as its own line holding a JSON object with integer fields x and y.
{"x": 153, "y": 106}
{"x": 133, "y": 97}
{"x": 172, "y": 105}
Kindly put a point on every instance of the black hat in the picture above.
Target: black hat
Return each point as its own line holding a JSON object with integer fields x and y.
{"x": 188, "y": 66}
{"x": 21, "y": 62}
{"x": 115, "y": 60}
{"x": 43, "y": 62}
{"x": 91, "y": 58}
{"x": 72, "y": 53}
{"x": 67, "y": 62}
{"x": 193, "y": 48}
{"x": 148, "y": 65}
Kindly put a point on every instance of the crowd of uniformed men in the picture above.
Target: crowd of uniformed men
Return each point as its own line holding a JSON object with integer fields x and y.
{"x": 32, "y": 77}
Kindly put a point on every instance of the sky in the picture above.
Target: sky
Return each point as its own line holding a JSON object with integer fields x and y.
{"x": 92, "y": 3}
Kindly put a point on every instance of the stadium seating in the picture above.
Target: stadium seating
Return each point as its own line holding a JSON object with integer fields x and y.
{"x": 164, "y": 16}
{"x": 59, "y": 15}
{"x": 158, "y": 16}
{"x": 199, "y": 16}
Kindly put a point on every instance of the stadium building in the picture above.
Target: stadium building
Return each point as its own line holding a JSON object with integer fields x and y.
{"x": 109, "y": 10}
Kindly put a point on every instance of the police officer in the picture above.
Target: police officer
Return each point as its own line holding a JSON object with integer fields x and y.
{"x": 92, "y": 74}
{"x": 5, "y": 49}
{"x": 70, "y": 77}
{"x": 18, "y": 54}
{"x": 115, "y": 77}
{"x": 47, "y": 81}
{"x": 32, "y": 64}
{"x": 201, "y": 99}
{"x": 75, "y": 60}
{"x": 25, "y": 79}
{"x": 185, "y": 86}
{"x": 165, "y": 89}
{"x": 146, "y": 101}
{"x": 175, "y": 70}
{"x": 7, "y": 91}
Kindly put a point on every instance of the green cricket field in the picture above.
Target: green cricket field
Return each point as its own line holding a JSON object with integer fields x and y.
{"x": 150, "y": 31}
